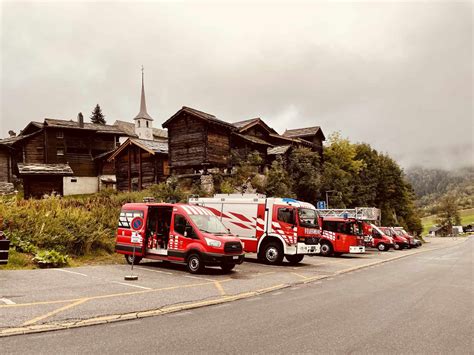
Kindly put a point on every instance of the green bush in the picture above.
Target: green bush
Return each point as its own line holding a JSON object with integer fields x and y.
{"x": 50, "y": 258}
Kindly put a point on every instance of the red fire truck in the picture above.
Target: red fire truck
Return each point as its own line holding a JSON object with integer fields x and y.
{"x": 176, "y": 232}
{"x": 271, "y": 227}
{"x": 342, "y": 229}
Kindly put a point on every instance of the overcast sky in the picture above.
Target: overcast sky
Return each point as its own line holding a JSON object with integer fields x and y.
{"x": 396, "y": 75}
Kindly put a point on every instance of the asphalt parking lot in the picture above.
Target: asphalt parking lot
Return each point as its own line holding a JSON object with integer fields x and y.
{"x": 39, "y": 300}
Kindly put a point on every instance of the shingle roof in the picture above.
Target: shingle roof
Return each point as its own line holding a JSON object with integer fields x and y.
{"x": 243, "y": 125}
{"x": 89, "y": 126}
{"x": 303, "y": 132}
{"x": 202, "y": 115}
{"x": 12, "y": 140}
{"x": 278, "y": 150}
{"x": 44, "y": 169}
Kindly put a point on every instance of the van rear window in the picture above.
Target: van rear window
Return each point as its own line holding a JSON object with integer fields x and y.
{"x": 126, "y": 218}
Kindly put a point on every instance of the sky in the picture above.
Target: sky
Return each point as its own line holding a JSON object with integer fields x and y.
{"x": 396, "y": 75}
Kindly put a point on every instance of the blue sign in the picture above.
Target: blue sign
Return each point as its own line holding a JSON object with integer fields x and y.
{"x": 137, "y": 223}
{"x": 321, "y": 205}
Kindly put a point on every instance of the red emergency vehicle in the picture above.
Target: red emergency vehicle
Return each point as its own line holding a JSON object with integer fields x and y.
{"x": 411, "y": 240}
{"x": 177, "y": 232}
{"x": 342, "y": 229}
{"x": 380, "y": 240}
{"x": 400, "y": 242}
{"x": 271, "y": 227}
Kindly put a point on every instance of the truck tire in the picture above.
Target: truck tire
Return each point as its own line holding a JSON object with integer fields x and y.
{"x": 194, "y": 264}
{"x": 294, "y": 259}
{"x": 382, "y": 247}
{"x": 227, "y": 267}
{"x": 272, "y": 253}
{"x": 326, "y": 249}
{"x": 129, "y": 259}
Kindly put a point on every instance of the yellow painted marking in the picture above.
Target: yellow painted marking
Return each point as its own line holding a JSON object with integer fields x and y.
{"x": 299, "y": 275}
{"x": 219, "y": 288}
{"x": 47, "y": 315}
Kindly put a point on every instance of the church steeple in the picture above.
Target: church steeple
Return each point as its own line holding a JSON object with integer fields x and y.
{"x": 143, "y": 113}
{"x": 143, "y": 121}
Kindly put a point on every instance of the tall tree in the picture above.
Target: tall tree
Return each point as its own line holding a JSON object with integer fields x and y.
{"x": 305, "y": 174}
{"x": 448, "y": 213}
{"x": 97, "y": 115}
{"x": 278, "y": 181}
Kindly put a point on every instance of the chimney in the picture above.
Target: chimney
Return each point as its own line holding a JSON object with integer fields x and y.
{"x": 12, "y": 133}
{"x": 80, "y": 120}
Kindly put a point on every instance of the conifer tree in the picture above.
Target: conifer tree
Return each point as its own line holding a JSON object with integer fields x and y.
{"x": 97, "y": 116}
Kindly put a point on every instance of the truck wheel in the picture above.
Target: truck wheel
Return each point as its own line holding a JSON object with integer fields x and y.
{"x": 382, "y": 247}
{"x": 326, "y": 249}
{"x": 227, "y": 267}
{"x": 273, "y": 253}
{"x": 195, "y": 264}
{"x": 129, "y": 259}
{"x": 397, "y": 246}
{"x": 294, "y": 259}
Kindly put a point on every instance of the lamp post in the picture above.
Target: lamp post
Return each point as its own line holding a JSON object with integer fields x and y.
{"x": 327, "y": 197}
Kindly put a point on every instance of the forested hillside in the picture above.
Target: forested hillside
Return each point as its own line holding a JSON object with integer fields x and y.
{"x": 432, "y": 184}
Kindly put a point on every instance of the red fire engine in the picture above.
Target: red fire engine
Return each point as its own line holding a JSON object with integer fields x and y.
{"x": 271, "y": 227}
{"x": 176, "y": 232}
{"x": 343, "y": 229}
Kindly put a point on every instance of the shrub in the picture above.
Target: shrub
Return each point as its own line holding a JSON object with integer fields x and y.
{"x": 50, "y": 258}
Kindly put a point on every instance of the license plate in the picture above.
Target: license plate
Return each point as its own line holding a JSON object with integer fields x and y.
{"x": 235, "y": 257}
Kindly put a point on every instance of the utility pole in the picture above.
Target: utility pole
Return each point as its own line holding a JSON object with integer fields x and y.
{"x": 327, "y": 197}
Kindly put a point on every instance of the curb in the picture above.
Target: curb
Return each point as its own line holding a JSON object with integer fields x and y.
{"x": 187, "y": 306}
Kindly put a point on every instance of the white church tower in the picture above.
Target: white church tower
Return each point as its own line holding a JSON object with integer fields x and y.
{"x": 143, "y": 121}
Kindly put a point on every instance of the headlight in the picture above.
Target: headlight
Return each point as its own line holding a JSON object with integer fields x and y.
{"x": 213, "y": 243}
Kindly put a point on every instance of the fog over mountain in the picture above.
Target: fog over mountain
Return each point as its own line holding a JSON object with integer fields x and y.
{"x": 396, "y": 75}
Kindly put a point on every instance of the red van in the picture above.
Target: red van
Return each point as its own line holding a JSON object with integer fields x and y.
{"x": 400, "y": 241}
{"x": 341, "y": 236}
{"x": 380, "y": 240}
{"x": 181, "y": 233}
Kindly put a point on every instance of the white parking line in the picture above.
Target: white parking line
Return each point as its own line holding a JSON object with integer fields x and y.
{"x": 158, "y": 271}
{"x": 198, "y": 278}
{"x": 131, "y": 285}
{"x": 70, "y": 272}
{"x": 7, "y": 301}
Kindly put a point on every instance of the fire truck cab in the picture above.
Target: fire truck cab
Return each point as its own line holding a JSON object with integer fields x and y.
{"x": 177, "y": 232}
{"x": 271, "y": 227}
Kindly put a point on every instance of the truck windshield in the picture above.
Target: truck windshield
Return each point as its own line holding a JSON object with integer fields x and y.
{"x": 308, "y": 217}
{"x": 209, "y": 224}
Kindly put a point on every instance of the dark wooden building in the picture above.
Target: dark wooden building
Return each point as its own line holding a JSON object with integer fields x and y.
{"x": 5, "y": 163}
{"x": 197, "y": 140}
{"x": 313, "y": 135}
{"x": 41, "y": 179}
{"x": 140, "y": 163}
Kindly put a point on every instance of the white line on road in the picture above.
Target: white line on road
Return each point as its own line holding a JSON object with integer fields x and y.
{"x": 137, "y": 286}
{"x": 158, "y": 271}
{"x": 70, "y": 272}
{"x": 198, "y": 278}
{"x": 7, "y": 301}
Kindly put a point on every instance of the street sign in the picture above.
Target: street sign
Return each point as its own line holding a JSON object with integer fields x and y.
{"x": 321, "y": 205}
{"x": 137, "y": 223}
{"x": 136, "y": 237}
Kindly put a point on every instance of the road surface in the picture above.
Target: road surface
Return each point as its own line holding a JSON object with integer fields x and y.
{"x": 419, "y": 304}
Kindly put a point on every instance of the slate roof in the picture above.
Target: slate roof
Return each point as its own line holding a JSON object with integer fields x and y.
{"x": 153, "y": 147}
{"x": 129, "y": 128}
{"x": 50, "y": 122}
{"x": 202, "y": 115}
{"x": 243, "y": 125}
{"x": 303, "y": 132}
{"x": 252, "y": 139}
{"x": 12, "y": 140}
{"x": 278, "y": 150}
{"x": 45, "y": 169}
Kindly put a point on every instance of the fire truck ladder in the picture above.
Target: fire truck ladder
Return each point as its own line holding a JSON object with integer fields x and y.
{"x": 360, "y": 213}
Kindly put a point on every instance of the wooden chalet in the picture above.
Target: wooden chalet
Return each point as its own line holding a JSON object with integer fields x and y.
{"x": 140, "y": 163}
{"x": 313, "y": 135}
{"x": 197, "y": 140}
{"x": 41, "y": 179}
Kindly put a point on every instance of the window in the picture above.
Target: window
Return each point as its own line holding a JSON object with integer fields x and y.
{"x": 138, "y": 123}
{"x": 180, "y": 224}
{"x": 59, "y": 134}
{"x": 146, "y": 124}
{"x": 286, "y": 215}
{"x": 60, "y": 151}
{"x": 73, "y": 180}
{"x": 308, "y": 217}
{"x": 127, "y": 216}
